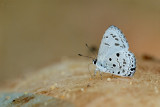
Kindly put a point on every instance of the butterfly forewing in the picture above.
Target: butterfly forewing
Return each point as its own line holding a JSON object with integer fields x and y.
{"x": 113, "y": 40}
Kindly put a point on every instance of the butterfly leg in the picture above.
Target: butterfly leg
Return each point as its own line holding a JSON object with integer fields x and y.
{"x": 100, "y": 74}
{"x": 95, "y": 71}
{"x": 114, "y": 76}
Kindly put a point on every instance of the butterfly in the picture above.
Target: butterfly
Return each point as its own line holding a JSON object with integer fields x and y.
{"x": 114, "y": 56}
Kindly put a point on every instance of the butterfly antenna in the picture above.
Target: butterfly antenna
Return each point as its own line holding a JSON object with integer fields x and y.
{"x": 85, "y": 56}
{"x": 91, "y": 50}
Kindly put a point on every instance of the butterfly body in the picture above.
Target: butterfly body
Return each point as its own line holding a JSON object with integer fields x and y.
{"x": 114, "y": 56}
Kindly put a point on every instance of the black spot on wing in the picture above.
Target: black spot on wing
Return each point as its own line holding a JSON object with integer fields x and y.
{"x": 124, "y": 75}
{"x": 117, "y": 54}
{"x": 114, "y": 65}
{"x": 132, "y": 69}
{"x": 113, "y": 36}
{"x": 124, "y": 62}
{"x": 116, "y": 39}
{"x": 124, "y": 46}
{"x": 118, "y": 72}
{"x": 122, "y": 40}
{"x": 129, "y": 74}
{"x": 116, "y": 44}
{"x": 106, "y": 44}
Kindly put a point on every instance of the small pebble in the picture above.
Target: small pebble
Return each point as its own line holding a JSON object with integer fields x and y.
{"x": 156, "y": 89}
{"x": 82, "y": 89}
{"x": 108, "y": 79}
{"x": 130, "y": 83}
{"x": 52, "y": 87}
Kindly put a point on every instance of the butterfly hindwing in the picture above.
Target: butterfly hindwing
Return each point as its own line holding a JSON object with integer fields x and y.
{"x": 121, "y": 63}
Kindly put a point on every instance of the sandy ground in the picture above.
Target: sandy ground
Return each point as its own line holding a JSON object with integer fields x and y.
{"x": 69, "y": 81}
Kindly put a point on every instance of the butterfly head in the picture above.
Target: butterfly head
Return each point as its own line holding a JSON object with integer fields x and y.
{"x": 94, "y": 61}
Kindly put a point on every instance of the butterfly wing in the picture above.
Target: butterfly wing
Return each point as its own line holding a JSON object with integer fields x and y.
{"x": 122, "y": 63}
{"x": 113, "y": 55}
{"x": 113, "y": 40}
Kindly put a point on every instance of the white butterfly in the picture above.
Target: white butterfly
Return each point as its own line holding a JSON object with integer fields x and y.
{"x": 114, "y": 56}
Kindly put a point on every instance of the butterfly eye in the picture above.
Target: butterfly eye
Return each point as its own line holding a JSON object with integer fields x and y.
{"x": 94, "y": 61}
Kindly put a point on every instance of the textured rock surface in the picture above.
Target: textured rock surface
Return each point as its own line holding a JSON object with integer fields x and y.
{"x": 31, "y": 100}
{"x": 69, "y": 80}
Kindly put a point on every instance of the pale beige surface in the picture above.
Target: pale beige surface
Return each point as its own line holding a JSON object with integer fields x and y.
{"x": 70, "y": 80}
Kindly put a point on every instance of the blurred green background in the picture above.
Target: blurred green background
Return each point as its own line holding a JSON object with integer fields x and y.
{"x": 34, "y": 33}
